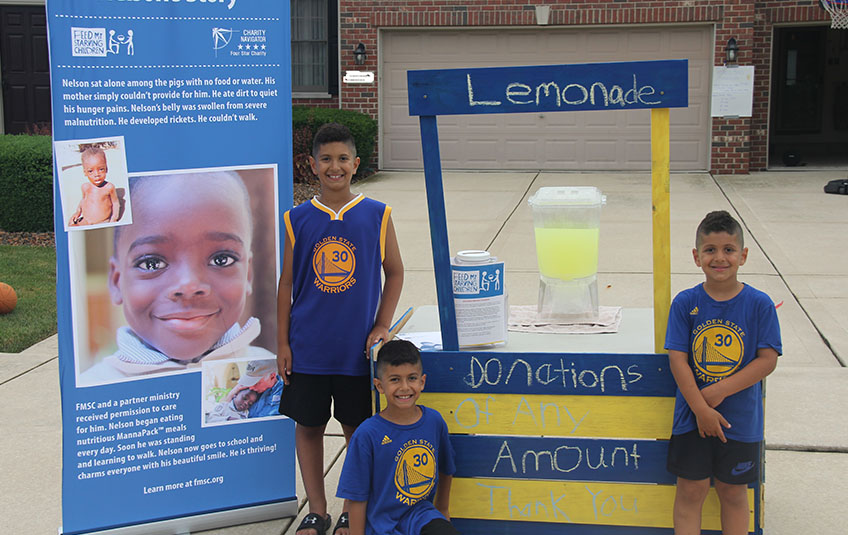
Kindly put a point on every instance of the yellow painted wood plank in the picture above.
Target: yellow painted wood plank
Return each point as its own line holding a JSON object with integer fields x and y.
{"x": 554, "y": 415}
{"x": 612, "y": 504}
{"x": 660, "y": 170}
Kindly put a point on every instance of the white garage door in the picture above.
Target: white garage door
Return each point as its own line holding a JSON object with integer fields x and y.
{"x": 596, "y": 140}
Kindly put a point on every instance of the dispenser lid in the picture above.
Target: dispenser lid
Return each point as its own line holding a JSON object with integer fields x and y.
{"x": 567, "y": 196}
{"x": 472, "y": 256}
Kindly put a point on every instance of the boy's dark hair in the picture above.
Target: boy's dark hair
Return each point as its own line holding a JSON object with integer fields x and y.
{"x": 719, "y": 221}
{"x": 397, "y": 353}
{"x": 331, "y": 133}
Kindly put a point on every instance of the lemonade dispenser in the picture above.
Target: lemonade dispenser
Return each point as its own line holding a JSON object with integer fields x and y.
{"x": 566, "y": 222}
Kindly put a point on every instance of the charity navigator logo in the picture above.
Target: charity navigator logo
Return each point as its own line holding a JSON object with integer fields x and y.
{"x": 240, "y": 43}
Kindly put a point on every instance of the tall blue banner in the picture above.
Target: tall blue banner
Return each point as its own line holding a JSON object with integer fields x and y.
{"x": 172, "y": 163}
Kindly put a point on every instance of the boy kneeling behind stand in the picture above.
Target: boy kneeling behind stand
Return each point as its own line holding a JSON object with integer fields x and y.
{"x": 400, "y": 462}
{"x": 723, "y": 339}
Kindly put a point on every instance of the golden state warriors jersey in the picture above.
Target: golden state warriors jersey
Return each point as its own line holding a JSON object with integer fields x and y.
{"x": 337, "y": 281}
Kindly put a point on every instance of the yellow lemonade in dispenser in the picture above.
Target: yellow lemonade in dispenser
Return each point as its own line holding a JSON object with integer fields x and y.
{"x": 567, "y": 253}
{"x": 566, "y": 223}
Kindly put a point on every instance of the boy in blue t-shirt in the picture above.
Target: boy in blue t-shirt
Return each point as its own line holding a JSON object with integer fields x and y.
{"x": 400, "y": 463}
{"x": 332, "y": 305}
{"x": 723, "y": 339}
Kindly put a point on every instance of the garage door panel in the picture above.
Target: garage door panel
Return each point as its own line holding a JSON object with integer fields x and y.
{"x": 637, "y": 120}
{"x": 397, "y": 81}
{"x": 599, "y": 140}
{"x": 566, "y": 120}
{"x": 450, "y": 121}
{"x": 559, "y": 44}
{"x": 687, "y": 43}
{"x": 483, "y": 121}
{"x": 479, "y": 152}
{"x": 563, "y": 153}
{"x": 521, "y": 120}
{"x": 522, "y": 43}
{"x": 645, "y": 42}
{"x": 687, "y": 117}
{"x": 601, "y": 150}
{"x": 523, "y": 153}
{"x": 638, "y": 151}
{"x": 602, "y": 119}
{"x": 603, "y": 42}
{"x": 699, "y": 79}
{"x": 686, "y": 151}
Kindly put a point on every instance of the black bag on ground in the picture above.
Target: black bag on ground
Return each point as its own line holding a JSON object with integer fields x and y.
{"x": 840, "y": 186}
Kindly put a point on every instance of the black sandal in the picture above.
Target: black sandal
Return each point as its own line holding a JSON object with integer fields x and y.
{"x": 343, "y": 523}
{"x": 315, "y": 522}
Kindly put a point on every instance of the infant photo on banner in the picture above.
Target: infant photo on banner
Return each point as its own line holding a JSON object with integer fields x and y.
{"x": 93, "y": 183}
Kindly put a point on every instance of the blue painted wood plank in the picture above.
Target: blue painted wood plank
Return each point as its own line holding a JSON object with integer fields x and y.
{"x": 538, "y": 88}
{"x": 438, "y": 231}
{"x": 548, "y": 373}
{"x": 562, "y": 459}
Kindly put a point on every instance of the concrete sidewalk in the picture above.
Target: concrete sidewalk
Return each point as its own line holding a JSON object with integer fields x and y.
{"x": 797, "y": 241}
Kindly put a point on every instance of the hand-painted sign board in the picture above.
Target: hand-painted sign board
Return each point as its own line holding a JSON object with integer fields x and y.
{"x": 589, "y": 86}
{"x": 557, "y": 442}
{"x": 574, "y": 443}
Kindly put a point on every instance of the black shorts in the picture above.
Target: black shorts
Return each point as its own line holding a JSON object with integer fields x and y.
{"x": 306, "y": 399}
{"x": 696, "y": 458}
{"x": 438, "y": 526}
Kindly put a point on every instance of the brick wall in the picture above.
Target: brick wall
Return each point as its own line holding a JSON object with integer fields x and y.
{"x": 738, "y": 145}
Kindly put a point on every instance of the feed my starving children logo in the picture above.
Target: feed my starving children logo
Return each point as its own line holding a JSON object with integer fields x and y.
{"x": 100, "y": 42}
{"x": 248, "y": 42}
{"x": 477, "y": 282}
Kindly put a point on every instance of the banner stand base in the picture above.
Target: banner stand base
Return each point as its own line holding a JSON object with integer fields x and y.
{"x": 221, "y": 519}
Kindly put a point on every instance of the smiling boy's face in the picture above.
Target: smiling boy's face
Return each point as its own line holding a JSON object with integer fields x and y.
{"x": 183, "y": 269}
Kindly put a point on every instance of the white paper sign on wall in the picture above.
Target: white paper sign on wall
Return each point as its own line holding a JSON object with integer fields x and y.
{"x": 358, "y": 77}
{"x": 733, "y": 91}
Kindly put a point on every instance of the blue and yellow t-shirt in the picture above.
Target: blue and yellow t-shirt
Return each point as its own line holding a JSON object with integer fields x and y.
{"x": 395, "y": 468}
{"x": 721, "y": 338}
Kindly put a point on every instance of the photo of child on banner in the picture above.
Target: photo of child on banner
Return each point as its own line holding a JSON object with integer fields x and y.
{"x": 188, "y": 281}
{"x": 93, "y": 183}
{"x": 232, "y": 390}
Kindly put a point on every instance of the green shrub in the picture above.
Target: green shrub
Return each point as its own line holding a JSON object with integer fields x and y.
{"x": 26, "y": 183}
{"x": 306, "y": 121}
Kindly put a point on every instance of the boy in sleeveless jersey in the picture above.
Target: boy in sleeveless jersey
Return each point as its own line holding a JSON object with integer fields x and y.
{"x": 332, "y": 306}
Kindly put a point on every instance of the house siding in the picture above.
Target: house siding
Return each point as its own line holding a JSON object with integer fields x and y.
{"x": 738, "y": 145}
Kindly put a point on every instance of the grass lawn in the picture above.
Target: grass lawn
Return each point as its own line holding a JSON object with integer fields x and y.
{"x": 31, "y": 271}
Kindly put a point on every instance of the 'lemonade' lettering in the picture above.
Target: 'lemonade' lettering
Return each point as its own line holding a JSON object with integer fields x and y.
{"x": 571, "y": 94}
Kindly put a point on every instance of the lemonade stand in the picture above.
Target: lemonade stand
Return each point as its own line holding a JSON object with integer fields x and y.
{"x": 550, "y": 441}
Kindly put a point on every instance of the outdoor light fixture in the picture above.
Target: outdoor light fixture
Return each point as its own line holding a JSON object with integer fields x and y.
{"x": 359, "y": 54}
{"x": 732, "y": 50}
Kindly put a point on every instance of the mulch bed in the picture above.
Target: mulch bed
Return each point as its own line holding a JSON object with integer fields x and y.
{"x": 301, "y": 193}
{"x": 39, "y": 239}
